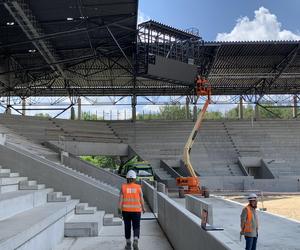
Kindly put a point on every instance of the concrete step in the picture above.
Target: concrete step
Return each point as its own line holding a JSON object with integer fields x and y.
{"x": 84, "y": 225}
{"x": 19, "y": 201}
{"x": 11, "y": 180}
{"x": 9, "y": 175}
{"x": 33, "y": 228}
{"x": 83, "y": 208}
{"x": 8, "y": 188}
{"x": 58, "y": 197}
{"x": 30, "y": 185}
{"x": 110, "y": 220}
{"x": 4, "y": 170}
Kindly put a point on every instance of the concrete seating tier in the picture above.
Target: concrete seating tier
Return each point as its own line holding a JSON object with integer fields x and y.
{"x": 31, "y": 215}
{"x": 218, "y": 144}
{"x": 165, "y": 140}
{"x": 46, "y": 129}
{"x": 275, "y": 140}
{"x": 218, "y": 141}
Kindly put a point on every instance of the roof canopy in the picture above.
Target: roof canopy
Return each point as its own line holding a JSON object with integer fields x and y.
{"x": 88, "y": 47}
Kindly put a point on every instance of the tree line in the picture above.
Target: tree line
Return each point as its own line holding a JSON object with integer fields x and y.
{"x": 178, "y": 112}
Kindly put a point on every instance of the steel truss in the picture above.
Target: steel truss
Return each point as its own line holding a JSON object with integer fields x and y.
{"x": 112, "y": 67}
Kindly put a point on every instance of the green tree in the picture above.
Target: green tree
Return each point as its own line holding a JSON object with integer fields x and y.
{"x": 168, "y": 112}
{"x": 101, "y": 161}
{"x": 150, "y": 116}
{"x": 173, "y": 112}
{"x": 87, "y": 116}
{"x": 46, "y": 115}
{"x": 270, "y": 111}
{"x": 234, "y": 112}
{"x": 213, "y": 115}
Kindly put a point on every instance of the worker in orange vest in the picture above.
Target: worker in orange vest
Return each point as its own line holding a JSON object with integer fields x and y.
{"x": 131, "y": 204}
{"x": 249, "y": 223}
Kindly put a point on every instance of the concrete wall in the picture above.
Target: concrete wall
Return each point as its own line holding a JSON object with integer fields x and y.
{"x": 250, "y": 161}
{"x": 60, "y": 179}
{"x": 92, "y": 148}
{"x": 169, "y": 169}
{"x": 244, "y": 183}
{"x": 89, "y": 169}
{"x": 282, "y": 184}
{"x": 224, "y": 183}
{"x": 150, "y": 195}
{"x": 184, "y": 231}
{"x": 265, "y": 172}
{"x": 196, "y": 204}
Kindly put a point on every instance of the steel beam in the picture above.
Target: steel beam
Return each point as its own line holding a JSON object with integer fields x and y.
{"x": 21, "y": 13}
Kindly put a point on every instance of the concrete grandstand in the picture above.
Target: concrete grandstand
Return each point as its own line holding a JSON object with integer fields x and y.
{"x": 51, "y": 199}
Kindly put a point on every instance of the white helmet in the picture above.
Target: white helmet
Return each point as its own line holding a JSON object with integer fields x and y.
{"x": 252, "y": 197}
{"x": 131, "y": 174}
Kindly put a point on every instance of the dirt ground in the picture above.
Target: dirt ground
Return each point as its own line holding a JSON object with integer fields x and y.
{"x": 285, "y": 205}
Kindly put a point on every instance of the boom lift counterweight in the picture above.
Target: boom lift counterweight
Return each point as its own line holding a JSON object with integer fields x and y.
{"x": 192, "y": 182}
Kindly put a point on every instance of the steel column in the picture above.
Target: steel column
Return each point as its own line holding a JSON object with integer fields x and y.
{"x": 241, "y": 108}
{"x": 79, "y": 108}
{"x": 295, "y": 106}
{"x": 133, "y": 108}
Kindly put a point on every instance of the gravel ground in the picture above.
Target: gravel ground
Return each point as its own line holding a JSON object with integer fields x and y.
{"x": 285, "y": 205}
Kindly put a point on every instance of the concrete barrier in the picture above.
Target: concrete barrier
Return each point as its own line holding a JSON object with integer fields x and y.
{"x": 184, "y": 231}
{"x": 196, "y": 204}
{"x": 282, "y": 184}
{"x": 161, "y": 187}
{"x": 150, "y": 195}
{"x": 244, "y": 183}
{"x": 89, "y": 169}
{"x": 224, "y": 182}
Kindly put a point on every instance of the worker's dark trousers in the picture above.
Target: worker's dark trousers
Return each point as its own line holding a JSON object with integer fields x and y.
{"x": 134, "y": 218}
{"x": 250, "y": 243}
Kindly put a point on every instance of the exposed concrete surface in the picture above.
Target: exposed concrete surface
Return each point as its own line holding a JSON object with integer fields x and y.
{"x": 275, "y": 232}
{"x": 150, "y": 195}
{"x": 197, "y": 204}
{"x": 21, "y": 229}
{"x": 112, "y": 237}
{"x": 91, "y": 170}
{"x": 184, "y": 228}
{"x": 92, "y": 148}
{"x": 244, "y": 183}
{"x": 70, "y": 182}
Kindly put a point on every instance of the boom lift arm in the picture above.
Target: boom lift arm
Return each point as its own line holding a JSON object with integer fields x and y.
{"x": 193, "y": 182}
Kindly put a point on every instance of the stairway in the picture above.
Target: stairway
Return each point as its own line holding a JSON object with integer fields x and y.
{"x": 31, "y": 214}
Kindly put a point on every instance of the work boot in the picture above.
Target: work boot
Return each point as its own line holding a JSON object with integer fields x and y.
{"x": 128, "y": 245}
{"x": 135, "y": 244}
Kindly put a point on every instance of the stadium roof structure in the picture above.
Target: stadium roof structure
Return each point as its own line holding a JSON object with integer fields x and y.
{"x": 95, "y": 48}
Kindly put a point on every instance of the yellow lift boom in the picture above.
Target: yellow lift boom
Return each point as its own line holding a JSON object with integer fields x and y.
{"x": 192, "y": 182}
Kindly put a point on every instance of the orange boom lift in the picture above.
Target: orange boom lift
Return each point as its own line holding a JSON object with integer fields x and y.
{"x": 192, "y": 182}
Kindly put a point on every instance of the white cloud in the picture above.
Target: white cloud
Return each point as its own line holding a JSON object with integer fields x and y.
{"x": 264, "y": 26}
{"x": 142, "y": 17}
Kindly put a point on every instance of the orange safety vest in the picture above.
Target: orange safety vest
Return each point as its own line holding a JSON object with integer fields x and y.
{"x": 131, "y": 198}
{"x": 248, "y": 224}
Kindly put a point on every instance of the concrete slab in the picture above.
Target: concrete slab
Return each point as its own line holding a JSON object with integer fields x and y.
{"x": 274, "y": 230}
{"x": 112, "y": 237}
{"x": 12, "y": 203}
{"x": 18, "y": 229}
{"x": 84, "y": 225}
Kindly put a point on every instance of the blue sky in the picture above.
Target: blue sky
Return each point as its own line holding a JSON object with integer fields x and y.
{"x": 218, "y": 16}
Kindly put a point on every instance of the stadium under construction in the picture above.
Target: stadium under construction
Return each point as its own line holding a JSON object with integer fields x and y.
{"x": 51, "y": 199}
